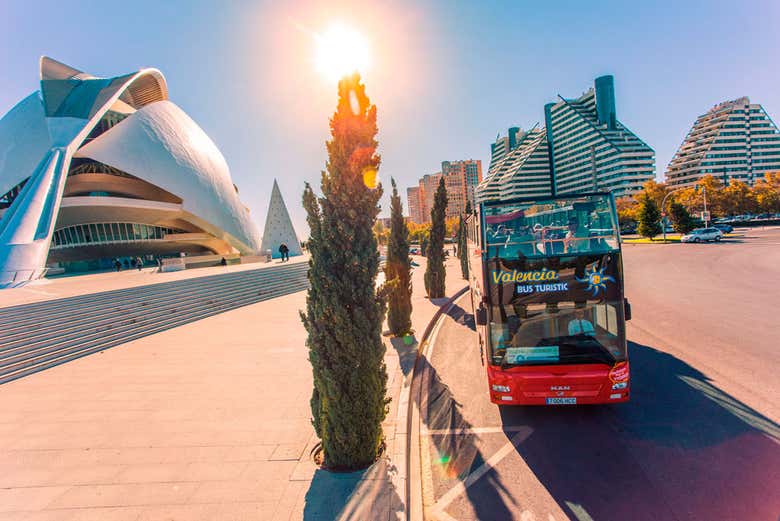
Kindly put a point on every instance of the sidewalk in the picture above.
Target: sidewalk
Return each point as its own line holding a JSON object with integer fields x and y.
{"x": 207, "y": 421}
{"x": 380, "y": 491}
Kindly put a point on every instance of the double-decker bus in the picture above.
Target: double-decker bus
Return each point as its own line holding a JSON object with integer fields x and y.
{"x": 547, "y": 292}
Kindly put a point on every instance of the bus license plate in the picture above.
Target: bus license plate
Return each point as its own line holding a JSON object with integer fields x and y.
{"x": 561, "y": 401}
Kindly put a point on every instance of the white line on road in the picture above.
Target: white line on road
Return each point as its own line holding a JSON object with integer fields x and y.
{"x": 483, "y": 469}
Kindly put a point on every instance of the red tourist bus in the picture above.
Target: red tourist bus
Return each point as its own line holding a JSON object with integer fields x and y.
{"x": 547, "y": 290}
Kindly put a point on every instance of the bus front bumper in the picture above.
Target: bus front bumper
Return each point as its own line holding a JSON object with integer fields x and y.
{"x": 556, "y": 385}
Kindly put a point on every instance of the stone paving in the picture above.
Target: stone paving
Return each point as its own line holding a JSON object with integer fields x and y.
{"x": 206, "y": 421}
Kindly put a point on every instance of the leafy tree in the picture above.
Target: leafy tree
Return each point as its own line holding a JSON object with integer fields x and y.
{"x": 767, "y": 193}
{"x": 398, "y": 270}
{"x": 344, "y": 314}
{"x": 418, "y": 231}
{"x": 434, "y": 271}
{"x": 738, "y": 198}
{"x": 451, "y": 227}
{"x": 626, "y": 210}
{"x": 655, "y": 191}
{"x": 463, "y": 250}
{"x": 381, "y": 233}
{"x": 649, "y": 218}
{"x": 681, "y": 219}
{"x": 715, "y": 201}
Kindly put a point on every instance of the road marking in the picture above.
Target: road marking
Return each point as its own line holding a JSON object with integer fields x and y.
{"x": 483, "y": 469}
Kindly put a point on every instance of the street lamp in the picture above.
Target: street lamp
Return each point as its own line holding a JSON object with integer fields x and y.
{"x": 663, "y": 208}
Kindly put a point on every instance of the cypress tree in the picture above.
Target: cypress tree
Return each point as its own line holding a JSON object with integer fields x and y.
{"x": 398, "y": 270}
{"x": 344, "y": 314}
{"x": 463, "y": 250}
{"x": 649, "y": 219}
{"x": 681, "y": 219}
{"x": 434, "y": 272}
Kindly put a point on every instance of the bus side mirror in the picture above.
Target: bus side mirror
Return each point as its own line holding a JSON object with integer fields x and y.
{"x": 627, "y": 307}
{"x": 481, "y": 315}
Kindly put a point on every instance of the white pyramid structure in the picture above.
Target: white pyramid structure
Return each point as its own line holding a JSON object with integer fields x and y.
{"x": 279, "y": 227}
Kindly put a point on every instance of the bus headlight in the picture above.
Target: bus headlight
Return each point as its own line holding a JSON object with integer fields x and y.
{"x": 621, "y": 385}
{"x": 501, "y": 388}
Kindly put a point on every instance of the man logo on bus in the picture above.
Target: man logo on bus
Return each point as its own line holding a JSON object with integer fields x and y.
{"x": 596, "y": 280}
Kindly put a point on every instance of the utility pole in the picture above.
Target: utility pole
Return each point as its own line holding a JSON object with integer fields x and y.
{"x": 706, "y": 213}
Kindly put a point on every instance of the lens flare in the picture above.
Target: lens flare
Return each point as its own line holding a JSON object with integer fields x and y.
{"x": 340, "y": 51}
{"x": 370, "y": 177}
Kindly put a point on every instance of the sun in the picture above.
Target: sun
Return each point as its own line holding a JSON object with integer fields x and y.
{"x": 340, "y": 50}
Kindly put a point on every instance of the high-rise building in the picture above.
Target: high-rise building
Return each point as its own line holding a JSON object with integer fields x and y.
{"x": 734, "y": 140}
{"x": 523, "y": 172}
{"x": 591, "y": 149}
{"x": 581, "y": 148}
{"x": 428, "y": 185}
{"x": 461, "y": 179}
{"x": 502, "y": 147}
{"x": 413, "y": 198}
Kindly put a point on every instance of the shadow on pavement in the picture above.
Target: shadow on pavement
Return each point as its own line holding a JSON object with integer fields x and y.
{"x": 367, "y": 494}
{"x": 462, "y": 317}
{"x": 681, "y": 449}
{"x": 407, "y": 352}
{"x": 457, "y": 455}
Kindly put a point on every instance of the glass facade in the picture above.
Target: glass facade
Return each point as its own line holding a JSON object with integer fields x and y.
{"x": 107, "y": 233}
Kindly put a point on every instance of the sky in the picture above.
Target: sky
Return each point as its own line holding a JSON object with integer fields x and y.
{"x": 446, "y": 76}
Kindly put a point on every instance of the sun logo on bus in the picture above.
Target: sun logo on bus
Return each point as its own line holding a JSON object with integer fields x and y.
{"x": 596, "y": 280}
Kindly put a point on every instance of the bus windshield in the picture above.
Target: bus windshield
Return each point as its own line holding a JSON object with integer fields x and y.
{"x": 559, "y": 310}
{"x": 579, "y": 224}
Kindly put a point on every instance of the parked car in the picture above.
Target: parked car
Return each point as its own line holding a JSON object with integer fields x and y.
{"x": 702, "y": 234}
{"x": 723, "y": 227}
{"x": 628, "y": 228}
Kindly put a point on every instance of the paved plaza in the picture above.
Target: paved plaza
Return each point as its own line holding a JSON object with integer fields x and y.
{"x": 209, "y": 420}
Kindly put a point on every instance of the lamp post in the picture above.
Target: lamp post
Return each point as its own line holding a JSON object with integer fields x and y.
{"x": 663, "y": 209}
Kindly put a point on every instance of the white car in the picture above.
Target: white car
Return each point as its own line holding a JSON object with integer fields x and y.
{"x": 702, "y": 234}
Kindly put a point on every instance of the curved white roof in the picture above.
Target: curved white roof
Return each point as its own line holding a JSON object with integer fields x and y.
{"x": 162, "y": 145}
{"x": 24, "y": 140}
{"x": 157, "y": 142}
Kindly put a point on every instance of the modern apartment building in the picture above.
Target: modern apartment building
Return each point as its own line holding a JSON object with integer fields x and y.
{"x": 591, "y": 149}
{"x": 582, "y": 148}
{"x": 413, "y": 198}
{"x": 461, "y": 179}
{"x": 502, "y": 147}
{"x": 523, "y": 172}
{"x": 734, "y": 140}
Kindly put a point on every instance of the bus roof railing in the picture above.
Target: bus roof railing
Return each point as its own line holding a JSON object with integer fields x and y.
{"x": 517, "y": 200}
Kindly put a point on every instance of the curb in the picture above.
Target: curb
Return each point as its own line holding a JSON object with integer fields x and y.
{"x": 415, "y": 508}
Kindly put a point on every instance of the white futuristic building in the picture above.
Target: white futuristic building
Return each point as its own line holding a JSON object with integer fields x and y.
{"x": 97, "y": 168}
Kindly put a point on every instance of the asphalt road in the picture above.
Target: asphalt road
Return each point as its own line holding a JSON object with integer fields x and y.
{"x": 699, "y": 439}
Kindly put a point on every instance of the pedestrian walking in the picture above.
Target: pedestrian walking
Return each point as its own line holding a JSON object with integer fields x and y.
{"x": 285, "y": 252}
{"x": 139, "y": 263}
{"x": 223, "y": 262}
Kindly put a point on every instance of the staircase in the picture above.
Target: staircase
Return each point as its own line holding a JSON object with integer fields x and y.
{"x": 37, "y": 336}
